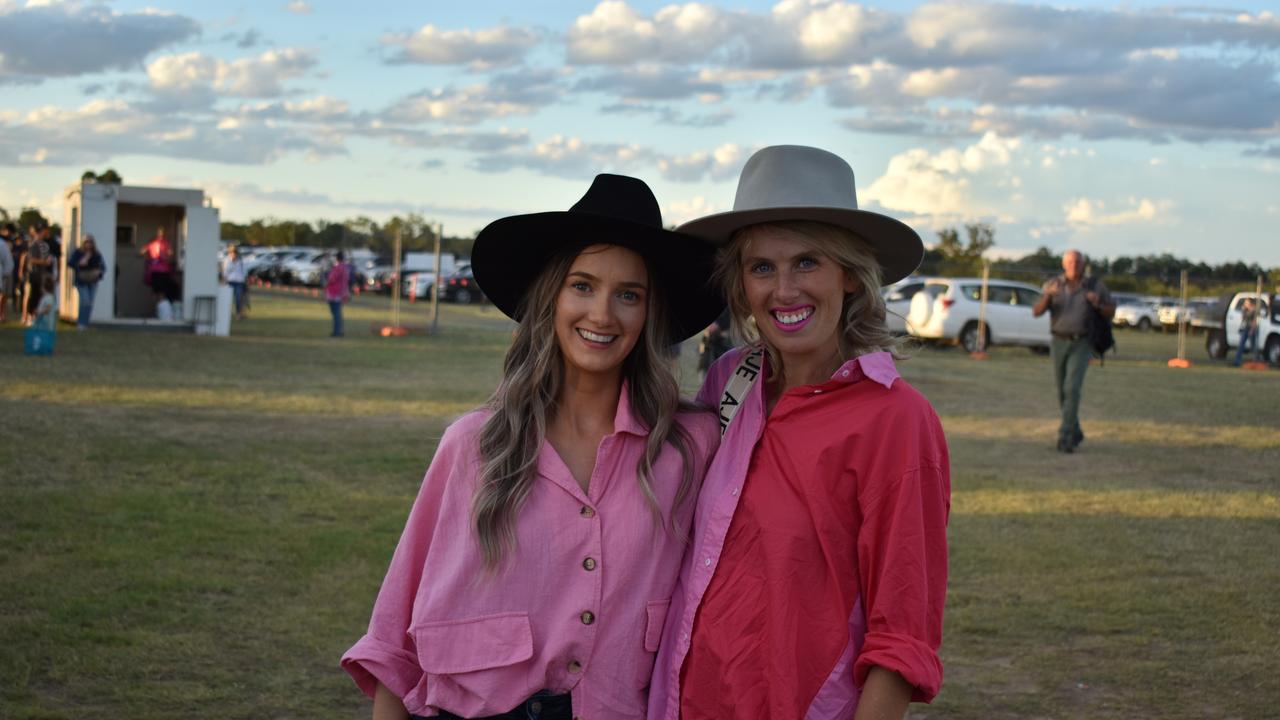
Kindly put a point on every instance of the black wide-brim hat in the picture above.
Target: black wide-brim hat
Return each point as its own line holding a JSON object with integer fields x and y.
{"x": 511, "y": 252}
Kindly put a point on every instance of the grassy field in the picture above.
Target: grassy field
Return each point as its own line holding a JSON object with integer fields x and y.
{"x": 196, "y": 527}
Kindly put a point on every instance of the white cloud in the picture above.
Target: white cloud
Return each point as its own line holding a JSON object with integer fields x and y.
{"x": 198, "y": 75}
{"x": 486, "y": 47}
{"x": 614, "y": 33}
{"x": 569, "y": 157}
{"x": 59, "y": 39}
{"x": 937, "y": 184}
{"x": 1084, "y": 213}
{"x": 685, "y": 210}
{"x": 723, "y": 163}
{"x": 299, "y": 7}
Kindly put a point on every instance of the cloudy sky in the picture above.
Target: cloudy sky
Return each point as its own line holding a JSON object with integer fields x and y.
{"x": 1121, "y": 129}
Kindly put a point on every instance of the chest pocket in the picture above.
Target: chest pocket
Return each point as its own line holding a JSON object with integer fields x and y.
{"x": 451, "y": 647}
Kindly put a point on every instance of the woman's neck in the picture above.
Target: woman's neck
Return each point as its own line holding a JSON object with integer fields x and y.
{"x": 809, "y": 369}
{"x": 587, "y": 404}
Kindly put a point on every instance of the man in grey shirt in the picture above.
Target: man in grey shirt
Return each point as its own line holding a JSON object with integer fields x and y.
{"x": 1070, "y": 298}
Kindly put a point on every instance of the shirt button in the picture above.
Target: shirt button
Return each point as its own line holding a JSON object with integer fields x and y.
{"x": 845, "y": 373}
{"x": 575, "y": 667}
{"x": 733, "y": 491}
{"x": 706, "y": 561}
{"x": 587, "y": 512}
{"x": 535, "y": 707}
{"x": 589, "y": 563}
{"x": 588, "y": 617}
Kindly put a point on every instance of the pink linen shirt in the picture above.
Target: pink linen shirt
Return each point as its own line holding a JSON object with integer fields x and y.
{"x": 721, "y": 492}
{"x": 579, "y": 607}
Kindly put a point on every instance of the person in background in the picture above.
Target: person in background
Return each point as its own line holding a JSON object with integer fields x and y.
{"x": 715, "y": 342}
{"x": 18, "y": 246}
{"x": 337, "y": 290}
{"x": 233, "y": 274}
{"x": 1069, "y": 298}
{"x": 45, "y": 315}
{"x": 1248, "y": 329}
{"x": 87, "y": 267}
{"x": 37, "y": 265}
{"x": 159, "y": 267}
{"x": 6, "y": 273}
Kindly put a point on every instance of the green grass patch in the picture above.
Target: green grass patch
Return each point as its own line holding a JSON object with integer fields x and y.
{"x": 197, "y": 527}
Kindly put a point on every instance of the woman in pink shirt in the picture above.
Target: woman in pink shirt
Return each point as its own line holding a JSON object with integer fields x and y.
{"x": 816, "y": 578}
{"x": 535, "y": 570}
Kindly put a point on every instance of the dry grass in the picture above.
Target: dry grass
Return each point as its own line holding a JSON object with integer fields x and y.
{"x": 196, "y": 527}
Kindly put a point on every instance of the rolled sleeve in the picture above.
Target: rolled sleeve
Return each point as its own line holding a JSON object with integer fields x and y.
{"x": 902, "y": 552}
{"x": 371, "y": 661}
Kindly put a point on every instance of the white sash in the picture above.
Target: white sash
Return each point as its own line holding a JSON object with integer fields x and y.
{"x": 740, "y": 383}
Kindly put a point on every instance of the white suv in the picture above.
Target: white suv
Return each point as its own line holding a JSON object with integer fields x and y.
{"x": 1137, "y": 314}
{"x": 947, "y": 309}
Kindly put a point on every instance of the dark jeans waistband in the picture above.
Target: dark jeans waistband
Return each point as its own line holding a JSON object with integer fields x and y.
{"x": 541, "y": 706}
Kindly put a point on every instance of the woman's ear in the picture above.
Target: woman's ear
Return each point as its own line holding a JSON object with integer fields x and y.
{"x": 851, "y": 284}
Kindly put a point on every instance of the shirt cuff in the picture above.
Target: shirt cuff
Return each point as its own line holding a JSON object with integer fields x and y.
{"x": 914, "y": 660}
{"x": 371, "y": 661}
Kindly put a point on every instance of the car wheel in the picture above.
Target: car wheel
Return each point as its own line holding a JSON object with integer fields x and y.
{"x": 1272, "y": 352}
{"x": 969, "y": 338}
{"x": 1144, "y": 324}
{"x": 462, "y": 296}
{"x": 1215, "y": 343}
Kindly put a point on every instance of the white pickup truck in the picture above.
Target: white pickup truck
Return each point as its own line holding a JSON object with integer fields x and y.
{"x": 1219, "y": 343}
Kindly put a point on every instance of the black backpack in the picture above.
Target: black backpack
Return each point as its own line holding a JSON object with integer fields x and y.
{"x": 1098, "y": 327}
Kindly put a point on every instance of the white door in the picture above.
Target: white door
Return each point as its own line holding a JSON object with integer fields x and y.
{"x": 199, "y": 258}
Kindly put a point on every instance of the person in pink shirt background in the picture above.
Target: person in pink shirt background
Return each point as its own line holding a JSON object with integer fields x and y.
{"x": 816, "y": 578}
{"x": 535, "y": 570}
{"x": 337, "y": 291}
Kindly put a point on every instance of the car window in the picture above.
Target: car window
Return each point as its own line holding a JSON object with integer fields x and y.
{"x": 1027, "y": 296}
{"x": 935, "y": 289}
{"x": 973, "y": 292}
{"x": 904, "y": 292}
{"x": 1000, "y": 295}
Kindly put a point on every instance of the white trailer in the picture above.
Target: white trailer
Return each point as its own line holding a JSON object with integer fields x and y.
{"x": 124, "y": 218}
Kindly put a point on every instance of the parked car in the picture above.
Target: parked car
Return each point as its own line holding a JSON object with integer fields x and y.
{"x": 307, "y": 267}
{"x": 461, "y": 287}
{"x": 947, "y": 309}
{"x": 1220, "y": 342}
{"x": 1172, "y": 315}
{"x": 418, "y": 285}
{"x": 897, "y": 302}
{"x": 1138, "y": 314}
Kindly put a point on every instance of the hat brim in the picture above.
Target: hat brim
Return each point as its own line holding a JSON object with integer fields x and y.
{"x": 511, "y": 252}
{"x": 897, "y": 247}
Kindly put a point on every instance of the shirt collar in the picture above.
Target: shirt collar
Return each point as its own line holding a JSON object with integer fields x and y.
{"x": 624, "y": 420}
{"x": 877, "y": 366}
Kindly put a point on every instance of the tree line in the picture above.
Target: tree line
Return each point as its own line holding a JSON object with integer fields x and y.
{"x": 416, "y": 234}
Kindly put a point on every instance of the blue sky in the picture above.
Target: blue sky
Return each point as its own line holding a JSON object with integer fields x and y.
{"x": 1118, "y": 129}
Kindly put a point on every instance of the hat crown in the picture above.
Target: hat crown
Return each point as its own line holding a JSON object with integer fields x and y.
{"x": 622, "y": 198}
{"x": 795, "y": 176}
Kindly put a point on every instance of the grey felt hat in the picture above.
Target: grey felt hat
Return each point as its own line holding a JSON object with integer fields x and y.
{"x": 795, "y": 182}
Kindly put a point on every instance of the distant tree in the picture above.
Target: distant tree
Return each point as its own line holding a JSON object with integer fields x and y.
{"x": 964, "y": 258}
{"x": 89, "y": 176}
{"x": 4, "y": 215}
{"x": 110, "y": 176}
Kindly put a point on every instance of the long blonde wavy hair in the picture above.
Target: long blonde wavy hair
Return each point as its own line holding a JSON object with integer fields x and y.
{"x": 863, "y": 329}
{"x": 525, "y": 403}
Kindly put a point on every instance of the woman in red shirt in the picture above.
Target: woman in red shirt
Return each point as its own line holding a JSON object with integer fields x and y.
{"x": 815, "y": 583}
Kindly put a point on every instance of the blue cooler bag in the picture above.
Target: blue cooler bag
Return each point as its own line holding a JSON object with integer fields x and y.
{"x": 37, "y": 341}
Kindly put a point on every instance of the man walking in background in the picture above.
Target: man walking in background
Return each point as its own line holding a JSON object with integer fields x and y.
{"x": 1070, "y": 299}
